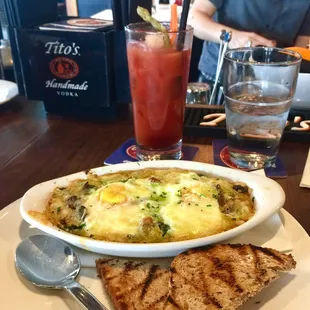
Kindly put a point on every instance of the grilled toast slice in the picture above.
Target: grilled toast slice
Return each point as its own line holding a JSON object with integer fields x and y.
{"x": 134, "y": 285}
{"x": 223, "y": 276}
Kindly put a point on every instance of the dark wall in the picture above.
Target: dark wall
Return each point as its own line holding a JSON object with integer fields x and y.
{"x": 89, "y": 7}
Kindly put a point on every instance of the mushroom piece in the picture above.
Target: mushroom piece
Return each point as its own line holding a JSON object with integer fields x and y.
{"x": 241, "y": 188}
{"x": 74, "y": 215}
{"x": 147, "y": 224}
{"x": 220, "y": 196}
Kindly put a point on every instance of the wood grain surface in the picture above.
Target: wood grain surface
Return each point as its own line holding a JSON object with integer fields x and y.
{"x": 35, "y": 147}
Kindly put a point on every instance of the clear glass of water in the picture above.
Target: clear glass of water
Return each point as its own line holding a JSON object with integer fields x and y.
{"x": 259, "y": 85}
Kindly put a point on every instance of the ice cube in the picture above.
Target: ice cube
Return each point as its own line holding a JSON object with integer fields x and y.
{"x": 154, "y": 40}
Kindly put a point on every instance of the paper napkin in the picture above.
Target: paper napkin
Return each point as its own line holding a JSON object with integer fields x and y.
{"x": 305, "y": 180}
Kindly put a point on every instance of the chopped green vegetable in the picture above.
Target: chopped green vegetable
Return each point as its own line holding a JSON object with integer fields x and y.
{"x": 163, "y": 195}
{"x": 208, "y": 206}
{"x": 160, "y": 197}
{"x": 164, "y": 228}
{"x": 74, "y": 227}
{"x": 58, "y": 210}
{"x": 156, "y": 216}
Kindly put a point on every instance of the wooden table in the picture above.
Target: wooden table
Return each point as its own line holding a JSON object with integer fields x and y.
{"x": 36, "y": 147}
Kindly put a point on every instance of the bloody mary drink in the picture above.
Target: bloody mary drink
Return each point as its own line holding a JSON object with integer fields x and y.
{"x": 158, "y": 82}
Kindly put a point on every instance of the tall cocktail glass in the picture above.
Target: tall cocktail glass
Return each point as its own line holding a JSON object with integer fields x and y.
{"x": 158, "y": 70}
{"x": 259, "y": 84}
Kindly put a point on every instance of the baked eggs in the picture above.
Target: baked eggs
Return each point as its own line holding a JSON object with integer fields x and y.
{"x": 150, "y": 205}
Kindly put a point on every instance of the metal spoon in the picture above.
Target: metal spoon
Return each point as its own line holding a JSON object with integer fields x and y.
{"x": 48, "y": 262}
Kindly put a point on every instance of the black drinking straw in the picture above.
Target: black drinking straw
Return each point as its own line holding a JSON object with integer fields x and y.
{"x": 125, "y": 12}
{"x": 183, "y": 23}
{"x": 117, "y": 14}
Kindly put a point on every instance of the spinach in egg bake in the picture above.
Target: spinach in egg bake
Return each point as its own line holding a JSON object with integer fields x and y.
{"x": 150, "y": 205}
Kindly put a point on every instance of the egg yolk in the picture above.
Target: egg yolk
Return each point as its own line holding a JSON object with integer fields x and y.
{"x": 113, "y": 194}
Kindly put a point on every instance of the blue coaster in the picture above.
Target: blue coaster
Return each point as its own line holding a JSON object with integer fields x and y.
{"x": 127, "y": 153}
{"x": 221, "y": 158}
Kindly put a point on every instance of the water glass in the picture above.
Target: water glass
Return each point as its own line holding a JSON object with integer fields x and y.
{"x": 259, "y": 85}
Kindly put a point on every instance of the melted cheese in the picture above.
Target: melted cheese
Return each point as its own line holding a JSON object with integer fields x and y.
{"x": 149, "y": 206}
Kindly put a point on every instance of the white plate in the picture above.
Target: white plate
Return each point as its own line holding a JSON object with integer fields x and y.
{"x": 290, "y": 292}
{"x": 8, "y": 90}
{"x": 269, "y": 198}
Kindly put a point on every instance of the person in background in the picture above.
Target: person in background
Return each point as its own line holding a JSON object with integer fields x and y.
{"x": 270, "y": 23}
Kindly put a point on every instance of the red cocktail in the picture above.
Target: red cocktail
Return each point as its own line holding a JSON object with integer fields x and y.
{"x": 158, "y": 82}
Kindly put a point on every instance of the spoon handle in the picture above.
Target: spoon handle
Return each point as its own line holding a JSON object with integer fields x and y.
{"x": 88, "y": 300}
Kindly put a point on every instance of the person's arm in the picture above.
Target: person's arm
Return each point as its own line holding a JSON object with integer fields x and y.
{"x": 205, "y": 28}
{"x": 303, "y": 37}
{"x": 302, "y": 41}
